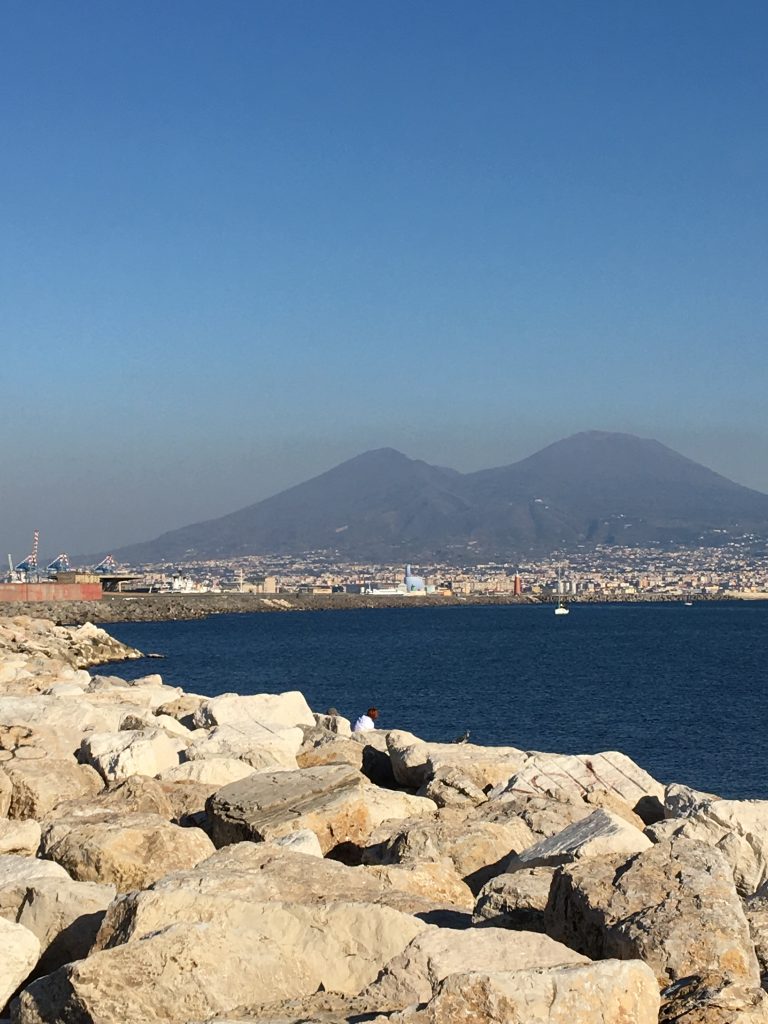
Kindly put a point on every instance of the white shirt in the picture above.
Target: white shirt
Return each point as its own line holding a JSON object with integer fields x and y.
{"x": 364, "y": 724}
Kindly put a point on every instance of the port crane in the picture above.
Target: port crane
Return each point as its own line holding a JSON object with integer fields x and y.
{"x": 106, "y": 565}
{"x": 59, "y": 564}
{"x": 27, "y": 567}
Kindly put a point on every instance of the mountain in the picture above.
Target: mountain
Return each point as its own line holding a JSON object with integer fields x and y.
{"x": 593, "y": 487}
{"x": 380, "y": 499}
{"x": 599, "y": 487}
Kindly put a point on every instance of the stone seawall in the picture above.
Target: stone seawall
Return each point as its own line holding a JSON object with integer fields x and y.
{"x": 163, "y": 607}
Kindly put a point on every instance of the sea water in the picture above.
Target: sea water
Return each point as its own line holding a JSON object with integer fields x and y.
{"x": 681, "y": 690}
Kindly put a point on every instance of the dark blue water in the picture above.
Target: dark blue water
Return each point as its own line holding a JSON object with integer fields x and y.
{"x": 683, "y": 691}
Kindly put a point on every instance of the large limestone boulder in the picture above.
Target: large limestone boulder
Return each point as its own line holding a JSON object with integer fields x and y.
{"x": 21, "y": 837}
{"x": 19, "y": 952}
{"x": 129, "y": 851}
{"x": 262, "y": 873}
{"x": 181, "y": 801}
{"x": 248, "y": 954}
{"x": 66, "y": 689}
{"x": 70, "y": 719}
{"x": 415, "y": 975}
{"x": 175, "y": 728}
{"x": 102, "y": 683}
{"x": 17, "y": 874}
{"x": 745, "y": 859}
{"x": 118, "y": 755}
{"x": 216, "y": 772}
{"x": 334, "y": 723}
{"x": 571, "y": 777}
{"x": 436, "y": 882}
{"x": 188, "y": 800}
{"x": 600, "y": 834}
{"x": 271, "y": 710}
{"x": 39, "y": 786}
{"x": 148, "y": 720}
{"x": 414, "y": 761}
{"x": 129, "y": 702}
{"x": 478, "y": 850}
{"x": 27, "y": 744}
{"x": 182, "y": 708}
{"x": 260, "y": 746}
{"x": 31, "y": 675}
{"x": 543, "y": 815}
{"x": 682, "y": 801}
{"x": 450, "y": 787}
{"x": 611, "y": 992}
{"x": 390, "y": 805}
{"x": 329, "y": 800}
{"x": 301, "y": 841}
{"x": 408, "y": 755}
{"x": 484, "y": 767}
{"x": 673, "y": 906}
{"x": 691, "y": 1003}
{"x": 321, "y": 746}
{"x": 737, "y": 828}
{"x": 65, "y": 916}
{"x": 515, "y": 901}
{"x": 610, "y": 802}
{"x": 138, "y": 793}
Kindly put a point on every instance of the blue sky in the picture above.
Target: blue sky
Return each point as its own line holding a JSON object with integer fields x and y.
{"x": 244, "y": 241}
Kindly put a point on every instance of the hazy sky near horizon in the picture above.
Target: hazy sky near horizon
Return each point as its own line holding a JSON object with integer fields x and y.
{"x": 242, "y": 242}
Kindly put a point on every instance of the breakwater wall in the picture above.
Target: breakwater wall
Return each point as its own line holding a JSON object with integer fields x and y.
{"x": 166, "y": 607}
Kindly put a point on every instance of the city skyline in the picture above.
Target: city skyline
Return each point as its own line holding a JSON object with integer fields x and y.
{"x": 243, "y": 245}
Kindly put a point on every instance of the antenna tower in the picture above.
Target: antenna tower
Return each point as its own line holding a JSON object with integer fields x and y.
{"x": 30, "y": 562}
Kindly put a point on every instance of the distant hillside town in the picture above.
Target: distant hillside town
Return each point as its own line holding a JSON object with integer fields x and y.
{"x": 736, "y": 570}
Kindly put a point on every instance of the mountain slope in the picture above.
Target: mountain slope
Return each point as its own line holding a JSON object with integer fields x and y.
{"x": 593, "y": 487}
{"x": 615, "y": 488}
{"x": 380, "y": 499}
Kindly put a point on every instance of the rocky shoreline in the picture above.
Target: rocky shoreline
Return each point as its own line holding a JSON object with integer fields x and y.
{"x": 166, "y": 857}
{"x": 168, "y": 607}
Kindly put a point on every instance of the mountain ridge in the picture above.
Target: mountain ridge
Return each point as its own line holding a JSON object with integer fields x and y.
{"x": 592, "y": 487}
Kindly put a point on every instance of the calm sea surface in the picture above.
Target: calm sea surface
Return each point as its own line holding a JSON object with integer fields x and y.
{"x": 683, "y": 691}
